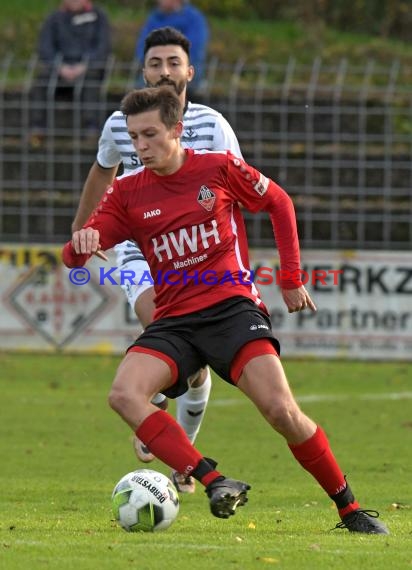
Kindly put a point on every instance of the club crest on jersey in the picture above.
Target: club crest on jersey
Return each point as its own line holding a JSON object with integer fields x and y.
{"x": 206, "y": 198}
{"x": 190, "y": 132}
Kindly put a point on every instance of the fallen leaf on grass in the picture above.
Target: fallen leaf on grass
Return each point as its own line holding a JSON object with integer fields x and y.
{"x": 400, "y": 506}
{"x": 267, "y": 560}
{"x": 314, "y": 547}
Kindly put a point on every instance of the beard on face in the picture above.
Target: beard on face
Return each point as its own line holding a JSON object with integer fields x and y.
{"x": 178, "y": 87}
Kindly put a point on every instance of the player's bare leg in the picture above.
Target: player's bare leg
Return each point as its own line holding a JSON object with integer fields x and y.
{"x": 307, "y": 441}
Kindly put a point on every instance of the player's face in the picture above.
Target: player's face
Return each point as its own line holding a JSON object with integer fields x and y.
{"x": 169, "y": 5}
{"x": 156, "y": 145}
{"x": 74, "y": 5}
{"x": 167, "y": 65}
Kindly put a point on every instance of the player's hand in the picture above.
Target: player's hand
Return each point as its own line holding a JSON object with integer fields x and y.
{"x": 86, "y": 241}
{"x": 72, "y": 72}
{"x": 297, "y": 300}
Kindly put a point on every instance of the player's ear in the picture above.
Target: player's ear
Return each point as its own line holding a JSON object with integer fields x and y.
{"x": 190, "y": 73}
{"x": 178, "y": 130}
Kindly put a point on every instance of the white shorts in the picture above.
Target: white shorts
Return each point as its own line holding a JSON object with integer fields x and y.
{"x": 129, "y": 258}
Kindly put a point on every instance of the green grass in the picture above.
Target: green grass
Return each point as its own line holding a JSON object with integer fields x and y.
{"x": 63, "y": 450}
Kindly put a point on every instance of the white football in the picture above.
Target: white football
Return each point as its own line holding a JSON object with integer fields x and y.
{"x": 145, "y": 500}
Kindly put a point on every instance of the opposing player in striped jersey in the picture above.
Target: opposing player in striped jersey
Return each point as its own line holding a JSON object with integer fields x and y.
{"x": 166, "y": 62}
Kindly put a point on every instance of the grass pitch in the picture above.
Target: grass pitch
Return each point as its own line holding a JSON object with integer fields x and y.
{"x": 63, "y": 450}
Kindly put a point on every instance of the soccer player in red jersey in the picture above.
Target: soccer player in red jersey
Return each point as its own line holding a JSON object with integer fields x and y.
{"x": 180, "y": 208}
{"x": 167, "y": 61}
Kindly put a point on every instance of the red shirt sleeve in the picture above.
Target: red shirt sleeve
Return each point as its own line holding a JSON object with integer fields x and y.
{"x": 257, "y": 192}
{"x": 110, "y": 218}
{"x": 72, "y": 259}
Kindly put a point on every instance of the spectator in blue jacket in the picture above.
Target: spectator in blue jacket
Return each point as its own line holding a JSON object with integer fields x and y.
{"x": 74, "y": 43}
{"x": 190, "y": 21}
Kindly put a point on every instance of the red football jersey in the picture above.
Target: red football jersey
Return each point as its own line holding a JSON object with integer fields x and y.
{"x": 187, "y": 226}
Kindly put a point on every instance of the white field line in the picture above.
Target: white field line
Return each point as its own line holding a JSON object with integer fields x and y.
{"x": 192, "y": 546}
{"x": 314, "y": 398}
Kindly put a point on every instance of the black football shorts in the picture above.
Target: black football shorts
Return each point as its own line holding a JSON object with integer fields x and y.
{"x": 210, "y": 336}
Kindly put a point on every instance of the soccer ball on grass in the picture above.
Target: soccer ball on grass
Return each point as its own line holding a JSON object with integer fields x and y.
{"x": 145, "y": 500}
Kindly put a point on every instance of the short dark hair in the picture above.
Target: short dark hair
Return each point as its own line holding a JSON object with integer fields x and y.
{"x": 151, "y": 98}
{"x": 165, "y": 37}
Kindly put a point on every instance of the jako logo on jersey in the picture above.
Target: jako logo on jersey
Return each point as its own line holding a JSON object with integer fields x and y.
{"x": 151, "y": 214}
{"x": 174, "y": 243}
{"x": 206, "y": 198}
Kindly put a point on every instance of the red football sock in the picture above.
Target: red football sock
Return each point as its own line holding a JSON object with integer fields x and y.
{"x": 315, "y": 455}
{"x": 168, "y": 442}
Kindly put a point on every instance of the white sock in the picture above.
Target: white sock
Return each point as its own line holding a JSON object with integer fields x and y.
{"x": 191, "y": 406}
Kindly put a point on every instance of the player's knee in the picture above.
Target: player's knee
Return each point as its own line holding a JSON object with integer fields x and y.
{"x": 280, "y": 414}
{"x": 127, "y": 391}
{"x": 120, "y": 397}
{"x": 117, "y": 399}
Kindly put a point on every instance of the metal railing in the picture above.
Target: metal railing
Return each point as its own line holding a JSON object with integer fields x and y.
{"x": 338, "y": 138}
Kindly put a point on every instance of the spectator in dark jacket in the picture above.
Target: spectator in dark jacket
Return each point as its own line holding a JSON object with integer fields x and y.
{"x": 73, "y": 47}
{"x": 190, "y": 21}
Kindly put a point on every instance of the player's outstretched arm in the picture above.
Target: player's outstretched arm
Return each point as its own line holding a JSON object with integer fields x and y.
{"x": 95, "y": 186}
{"x": 297, "y": 299}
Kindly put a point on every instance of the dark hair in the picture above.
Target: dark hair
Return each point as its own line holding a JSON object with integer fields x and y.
{"x": 163, "y": 98}
{"x": 165, "y": 37}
